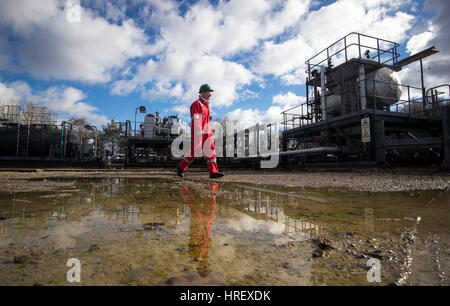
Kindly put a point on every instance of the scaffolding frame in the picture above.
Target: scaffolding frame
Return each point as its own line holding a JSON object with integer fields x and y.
{"x": 24, "y": 118}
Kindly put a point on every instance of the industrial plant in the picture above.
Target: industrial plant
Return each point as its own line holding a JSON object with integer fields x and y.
{"x": 357, "y": 110}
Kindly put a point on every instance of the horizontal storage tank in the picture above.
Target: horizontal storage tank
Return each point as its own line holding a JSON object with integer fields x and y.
{"x": 38, "y": 139}
{"x": 383, "y": 86}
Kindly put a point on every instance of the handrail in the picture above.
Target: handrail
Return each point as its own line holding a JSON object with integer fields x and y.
{"x": 434, "y": 88}
{"x": 345, "y": 37}
{"x": 380, "y": 51}
{"x": 306, "y": 114}
{"x": 283, "y": 112}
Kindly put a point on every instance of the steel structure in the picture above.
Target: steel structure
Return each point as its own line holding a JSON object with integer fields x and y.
{"x": 150, "y": 144}
{"x": 354, "y": 81}
{"x": 30, "y": 133}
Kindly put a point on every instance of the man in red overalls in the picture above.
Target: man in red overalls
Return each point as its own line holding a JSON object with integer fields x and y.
{"x": 201, "y": 135}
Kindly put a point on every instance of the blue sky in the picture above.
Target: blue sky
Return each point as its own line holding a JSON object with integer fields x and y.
{"x": 126, "y": 53}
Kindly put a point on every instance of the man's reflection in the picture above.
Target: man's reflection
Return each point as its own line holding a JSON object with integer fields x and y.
{"x": 201, "y": 217}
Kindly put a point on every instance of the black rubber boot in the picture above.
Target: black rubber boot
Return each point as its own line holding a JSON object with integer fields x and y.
{"x": 179, "y": 171}
{"x": 216, "y": 175}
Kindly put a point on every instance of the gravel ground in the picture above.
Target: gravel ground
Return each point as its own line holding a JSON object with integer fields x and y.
{"x": 371, "y": 180}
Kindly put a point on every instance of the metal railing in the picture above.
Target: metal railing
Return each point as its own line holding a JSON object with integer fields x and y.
{"x": 125, "y": 128}
{"x": 296, "y": 119}
{"x": 411, "y": 103}
{"x": 436, "y": 97}
{"x": 386, "y": 51}
{"x": 27, "y": 116}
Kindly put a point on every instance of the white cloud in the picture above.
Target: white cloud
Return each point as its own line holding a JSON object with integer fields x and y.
{"x": 436, "y": 67}
{"x": 322, "y": 27}
{"x": 195, "y": 48}
{"x": 65, "y": 101}
{"x": 249, "y": 117}
{"x": 164, "y": 89}
{"x": 229, "y": 45}
{"x": 68, "y": 101}
{"x": 298, "y": 77}
{"x": 14, "y": 92}
{"x": 278, "y": 59}
{"x": 48, "y": 46}
{"x": 115, "y": 12}
{"x": 419, "y": 42}
{"x": 248, "y": 94}
{"x": 23, "y": 15}
{"x": 180, "y": 109}
{"x": 288, "y": 99}
{"x": 225, "y": 77}
{"x": 244, "y": 118}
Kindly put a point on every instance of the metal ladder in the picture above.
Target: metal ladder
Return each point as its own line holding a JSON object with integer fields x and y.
{"x": 23, "y": 136}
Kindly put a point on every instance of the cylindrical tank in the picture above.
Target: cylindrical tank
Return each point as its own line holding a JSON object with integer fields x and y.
{"x": 176, "y": 128}
{"x": 38, "y": 140}
{"x": 383, "y": 88}
{"x": 149, "y": 126}
{"x": 385, "y": 84}
{"x": 88, "y": 145}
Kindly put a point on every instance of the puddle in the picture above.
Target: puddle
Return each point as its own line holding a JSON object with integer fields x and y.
{"x": 161, "y": 232}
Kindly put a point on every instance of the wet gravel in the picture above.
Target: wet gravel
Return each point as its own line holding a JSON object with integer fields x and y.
{"x": 370, "y": 180}
{"x": 411, "y": 242}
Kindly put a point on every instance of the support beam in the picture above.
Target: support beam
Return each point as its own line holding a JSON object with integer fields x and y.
{"x": 257, "y": 139}
{"x": 379, "y": 135}
{"x": 445, "y": 111}
{"x": 414, "y": 58}
{"x": 423, "y": 88}
{"x": 362, "y": 87}
{"x": 323, "y": 92}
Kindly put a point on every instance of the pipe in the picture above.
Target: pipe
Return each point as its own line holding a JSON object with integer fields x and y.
{"x": 423, "y": 88}
{"x": 323, "y": 101}
{"x": 297, "y": 152}
{"x": 257, "y": 139}
{"x": 311, "y": 151}
{"x": 362, "y": 86}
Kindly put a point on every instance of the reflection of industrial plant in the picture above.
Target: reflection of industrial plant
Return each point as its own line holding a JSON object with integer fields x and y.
{"x": 135, "y": 204}
{"x": 270, "y": 206}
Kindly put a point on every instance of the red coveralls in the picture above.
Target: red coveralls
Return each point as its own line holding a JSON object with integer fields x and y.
{"x": 201, "y": 218}
{"x": 200, "y": 116}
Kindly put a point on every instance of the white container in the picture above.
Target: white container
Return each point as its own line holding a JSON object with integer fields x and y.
{"x": 88, "y": 145}
{"x": 149, "y": 127}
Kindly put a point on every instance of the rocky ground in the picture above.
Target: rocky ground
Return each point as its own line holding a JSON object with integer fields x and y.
{"x": 371, "y": 180}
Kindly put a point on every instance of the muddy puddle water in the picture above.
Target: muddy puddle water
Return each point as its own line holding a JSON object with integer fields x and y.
{"x": 157, "y": 232}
